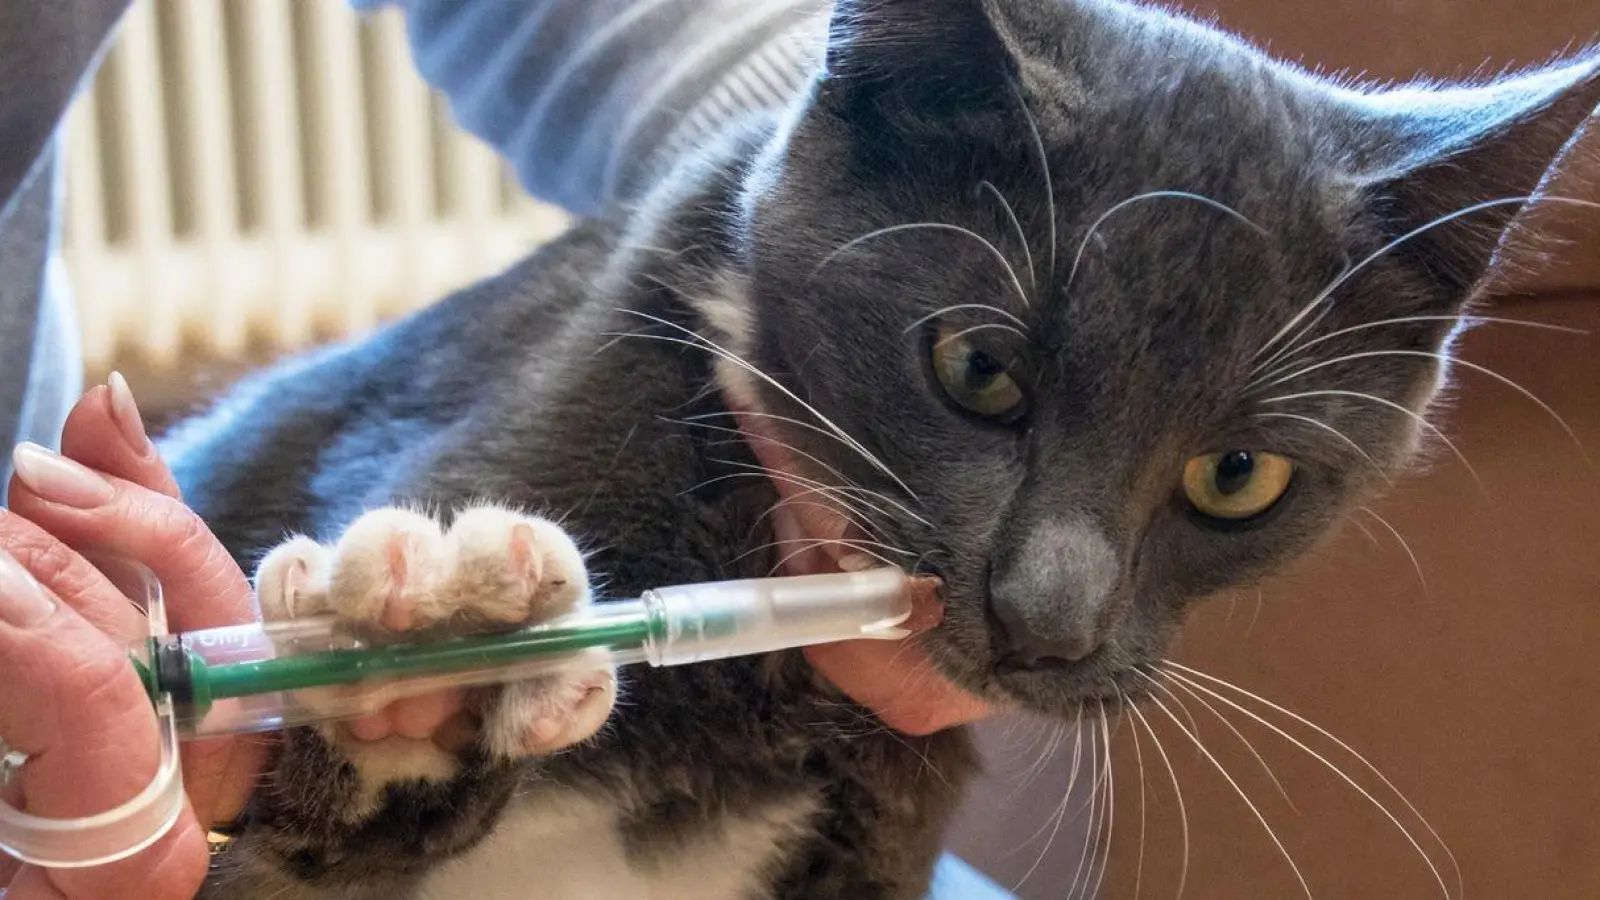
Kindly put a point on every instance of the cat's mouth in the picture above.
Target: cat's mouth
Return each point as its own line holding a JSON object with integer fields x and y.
{"x": 811, "y": 537}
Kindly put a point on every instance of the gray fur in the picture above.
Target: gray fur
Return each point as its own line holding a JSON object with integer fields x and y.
{"x": 520, "y": 390}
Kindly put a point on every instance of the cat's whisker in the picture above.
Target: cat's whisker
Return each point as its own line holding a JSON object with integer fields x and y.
{"x": 1194, "y": 684}
{"x": 1410, "y": 554}
{"x": 799, "y": 499}
{"x": 703, "y": 343}
{"x": 806, "y": 425}
{"x": 1439, "y": 357}
{"x": 812, "y": 545}
{"x": 1094, "y": 228}
{"x": 1059, "y": 815}
{"x": 1183, "y": 811}
{"x": 1123, "y": 702}
{"x": 849, "y": 486}
{"x": 1057, "y": 734}
{"x": 1044, "y": 171}
{"x": 1282, "y": 792}
{"x": 1390, "y": 247}
{"x": 1022, "y": 236}
{"x": 1011, "y": 273}
{"x": 1300, "y": 348}
{"x": 960, "y": 306}
{"x": 1228, "y": 777}
{"x": 1409, "y": 413}
{"x": 847, "y": 490}
{"x": 1093, "y": 805}
{"x": 1111, "y": 810}
{"x": 1371, "y": 538}
{"x": 781, "y": 476}
{"x": 1072, "y": 777}
{"x": 1308, "y": 420}
{"x": 879, "y": 728}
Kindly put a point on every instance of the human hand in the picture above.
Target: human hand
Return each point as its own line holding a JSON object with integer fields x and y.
{"x": 83, "y": 718}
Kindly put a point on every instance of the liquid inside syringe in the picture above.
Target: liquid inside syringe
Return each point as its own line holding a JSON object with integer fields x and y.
{"x": 263, "y": 677}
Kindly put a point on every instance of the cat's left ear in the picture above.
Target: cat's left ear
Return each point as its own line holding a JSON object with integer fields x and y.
{"x": 916, "y": 65}
{"x": 1432, "y": 153}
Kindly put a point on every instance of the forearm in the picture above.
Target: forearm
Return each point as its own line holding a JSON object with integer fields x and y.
{"x": 590, "y": 98}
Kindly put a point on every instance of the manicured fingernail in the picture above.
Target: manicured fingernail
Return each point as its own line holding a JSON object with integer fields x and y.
{"x": 23, "y": 603}
{"x": 125, "y": 412}
{"x": 60, "y": 480}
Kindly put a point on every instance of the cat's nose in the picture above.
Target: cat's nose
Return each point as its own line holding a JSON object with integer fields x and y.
{"x": 1047, "y": 596}
{"x": 1023, "y": 647}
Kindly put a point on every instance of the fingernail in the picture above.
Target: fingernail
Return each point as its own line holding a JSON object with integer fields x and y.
{"x": 125, "y": 412}
{"x": 60, "y": 480}
{"x": 23, "y": 603}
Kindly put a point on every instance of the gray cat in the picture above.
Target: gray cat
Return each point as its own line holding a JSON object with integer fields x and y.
{"x": 1083, "y": 308}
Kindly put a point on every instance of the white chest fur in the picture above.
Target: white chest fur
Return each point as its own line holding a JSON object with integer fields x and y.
{"x": 561, "y": 846}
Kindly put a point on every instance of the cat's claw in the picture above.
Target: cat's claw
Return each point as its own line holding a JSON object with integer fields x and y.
{"x": 397, "y": 570}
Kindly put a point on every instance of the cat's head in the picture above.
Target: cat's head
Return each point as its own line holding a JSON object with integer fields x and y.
{"x": 1095, "y": 312}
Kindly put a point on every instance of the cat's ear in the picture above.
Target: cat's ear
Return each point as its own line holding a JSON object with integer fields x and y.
{"x": 910, "y": 63}
{"x": 1434, "y": 153}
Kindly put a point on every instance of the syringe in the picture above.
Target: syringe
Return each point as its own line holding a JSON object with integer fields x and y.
{"x": 263, "y": 677}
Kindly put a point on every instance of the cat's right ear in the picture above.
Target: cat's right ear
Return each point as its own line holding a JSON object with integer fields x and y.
{"x": 1435, "y": 153}
{"x": 916, "y": 65}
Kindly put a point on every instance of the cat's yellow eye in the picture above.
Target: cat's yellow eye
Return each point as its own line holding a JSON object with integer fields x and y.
{"x": 976, "y": 380}
{"x": 1236, "y": 485}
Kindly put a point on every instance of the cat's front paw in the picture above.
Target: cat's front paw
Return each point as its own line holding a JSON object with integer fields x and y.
{"x": 396, "y": 570}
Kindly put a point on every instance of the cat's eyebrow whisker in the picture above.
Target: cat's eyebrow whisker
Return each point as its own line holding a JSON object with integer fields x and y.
{"x": 1094, "y": 228}
{"x": 1412, "y": 414}
{"x": 1308, "y": 420}
{"x": 960, "y": 306}
{"x": 1124, "y": 702}
{"x": 994, "y": 251}
{"x": 1228, "y": 777}
{"x": 1044, "y": 172}
{"x": 1022, "y": 236}
{"x": 992, "y": 326}
{"x": 1183, "y": 811}
{"x": 702, "y": 342}
{"x": 1448, "y": 360}
{"x": 1300, "y": 348}
{"x": 1403, "y": 546}
{"x": 1190, "y": 677}
{"x": 1388, "y": 248}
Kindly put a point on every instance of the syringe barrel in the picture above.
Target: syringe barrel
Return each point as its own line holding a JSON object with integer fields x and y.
{"x": 696, "y": 623}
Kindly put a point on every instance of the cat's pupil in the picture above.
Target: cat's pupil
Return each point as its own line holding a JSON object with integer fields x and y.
{"x": 1234, "y": 471}
{"x": 982, "y": 369}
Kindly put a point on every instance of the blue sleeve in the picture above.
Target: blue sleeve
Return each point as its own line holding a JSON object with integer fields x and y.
{"x": 47, "y": 51}
{"x": 588, "y": 98}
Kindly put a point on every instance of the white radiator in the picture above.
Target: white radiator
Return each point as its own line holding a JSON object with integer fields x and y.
{"x": 265, "y": 174}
